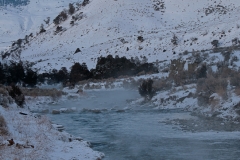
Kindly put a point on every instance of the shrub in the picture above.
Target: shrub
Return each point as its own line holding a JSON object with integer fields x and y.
{"x": 58, "y": 29}
{"x": 61, "y": 17}
{"x": 162, "y": 84}
{"x": 177, "y": 73}
{"x": 146, "y": 90}
{"x": 140, "y": 39}
{"x": 42, "y": 29}
{"x": 19, "y": 42}
{"x": 202, "y": 72}
{"x": 235, "y": 41}
{"x": 17, "y": 95}
{"x": 194, "y": 39}
{"x": 212, "y": 84}
{"x": 47, "y": 20}
{"x": 174, "y": 40}
{"x": 3, "y": 126}
{"x": 85, "y": 2}
{"x": 71, "y": 9}
{"x": 234, "y": 80}
{"x": 226, "y": 55}
{"x": 215, "y": 43}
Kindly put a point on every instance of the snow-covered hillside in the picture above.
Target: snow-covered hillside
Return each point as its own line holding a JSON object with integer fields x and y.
{"x": 112, "y": 27}
{"x": 18, "y": 21}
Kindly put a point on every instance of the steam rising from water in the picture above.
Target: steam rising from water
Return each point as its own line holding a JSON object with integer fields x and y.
{"x": 126, "y": 132}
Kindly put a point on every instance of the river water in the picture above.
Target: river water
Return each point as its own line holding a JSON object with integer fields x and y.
{"x": 127, "y": 132}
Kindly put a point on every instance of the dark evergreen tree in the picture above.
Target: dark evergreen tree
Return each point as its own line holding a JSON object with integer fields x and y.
{"x": 2, "y": 74}
{"x": 79, "y": 72}
{"x": 31, "y": 77}
{"x": 114, "y": 67}
{"x": 15, "y": 73}
{"x": 62, "y": 75}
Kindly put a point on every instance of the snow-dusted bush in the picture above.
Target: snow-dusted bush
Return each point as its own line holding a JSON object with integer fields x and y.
{"x": 181, "y": 76}
{"x": 61, "y": 17}
{"x": 159, "y": 5}
{"x": 17, "y": 95}
{"x": 177, "y": 73}
{"x": 78, "y": 16}
{"x": 47, "y": 20}
{"x": 226, "y": 55}
{"x": 71, "y": 9}
{"x": 214, "y": 83}
{"x": 140, "y": 38}
{"x": 42, "y": 30}
{"x": 174, "y": 40}
{"x": 215, "y": 43}
{"x": 85, "y": 2}
{"x": 146, "y": 89}
{"x": 162, "y": 84}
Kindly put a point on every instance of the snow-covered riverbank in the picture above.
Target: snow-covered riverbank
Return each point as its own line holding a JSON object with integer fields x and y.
{"x": 125, "y": 131}
{"x": 34, "y": 137}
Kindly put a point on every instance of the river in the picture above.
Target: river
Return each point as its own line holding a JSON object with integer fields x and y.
{"x": 133, "y": 132}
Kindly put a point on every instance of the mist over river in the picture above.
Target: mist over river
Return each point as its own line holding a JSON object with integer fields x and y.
{"x": 133, "y": 132}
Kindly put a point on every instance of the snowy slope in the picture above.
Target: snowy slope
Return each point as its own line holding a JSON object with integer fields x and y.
{"x": 36, "y": 138}
{"x": 16, "y": 22}
{"x": 110, "y": 27}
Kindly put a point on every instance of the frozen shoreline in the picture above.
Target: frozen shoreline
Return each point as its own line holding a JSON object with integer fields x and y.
{"x": 30, "y": 129}
{"x": 36, "y": 138}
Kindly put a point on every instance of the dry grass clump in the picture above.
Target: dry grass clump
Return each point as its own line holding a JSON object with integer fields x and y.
{"x": 34, "y": 92}
{"x": 218, "y": 82}
{"x": 5, "y": 99}
{"x": 3, "y": 126}
{"x": 162, "y": 84}
{"x": 237, "y": 91}
{"x": 207, "y": 86}
{"x": 3, "y": 91}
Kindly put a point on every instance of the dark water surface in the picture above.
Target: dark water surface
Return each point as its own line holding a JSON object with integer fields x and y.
{"x": 125, "y": 132}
